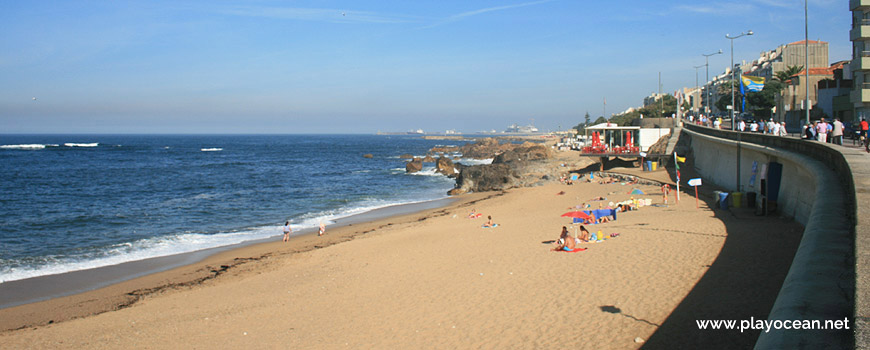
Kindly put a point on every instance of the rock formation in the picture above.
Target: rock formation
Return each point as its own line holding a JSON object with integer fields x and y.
{"x": 368, "y": 155}
{"x": 414, "y": 165}
{"x": 445, "y": 166}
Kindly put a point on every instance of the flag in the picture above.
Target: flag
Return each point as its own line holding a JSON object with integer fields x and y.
{"x": 752, "y": 83}
{"x": 681, "y": 159}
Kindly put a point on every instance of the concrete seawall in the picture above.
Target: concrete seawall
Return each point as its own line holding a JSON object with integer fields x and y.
{"x": 818, "y": 189}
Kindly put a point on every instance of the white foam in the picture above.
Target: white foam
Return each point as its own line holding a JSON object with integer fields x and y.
{"x": 211, "y": 149}
{"x": 138, "y": 250}
{"x": 70, "y": 144}
{"x": 186, "y": 242}
{"x": 28, "y": 147}
{"x": 472, "y": 161}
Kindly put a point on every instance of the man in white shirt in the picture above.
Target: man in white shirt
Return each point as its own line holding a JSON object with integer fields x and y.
{"x": 822, "y": 131}
{"x": 753, "y": 127}
{"x": 741, "y": 125}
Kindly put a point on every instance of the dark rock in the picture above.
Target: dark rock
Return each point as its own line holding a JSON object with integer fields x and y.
{"x": 429, "y": 159}
{"x": 368, "y": 155}
{"x": 406, "y": 156}
{"x": 414, "y": 165}
{"x": 491, "y": 177}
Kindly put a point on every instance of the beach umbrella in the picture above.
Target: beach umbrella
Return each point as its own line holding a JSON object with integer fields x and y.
{"x": 577, "y": 214}
{"x": 636, "y": 191}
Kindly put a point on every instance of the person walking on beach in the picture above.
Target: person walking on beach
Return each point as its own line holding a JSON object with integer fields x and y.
{"x": 287, "y": 231}
{"x": 322, "y": 229}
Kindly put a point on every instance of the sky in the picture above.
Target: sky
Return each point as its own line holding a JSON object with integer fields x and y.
{"x": 323, "y": 66}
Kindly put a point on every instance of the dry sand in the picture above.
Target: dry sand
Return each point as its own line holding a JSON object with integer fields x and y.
{"x": 436, "y": 279}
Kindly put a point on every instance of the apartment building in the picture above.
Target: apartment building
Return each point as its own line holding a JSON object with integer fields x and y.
{"x": 860, "y": 37}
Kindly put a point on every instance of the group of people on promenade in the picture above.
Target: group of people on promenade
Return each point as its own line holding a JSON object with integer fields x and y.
{"x": 770, "y": 127}
{"x": 825, "y": 132}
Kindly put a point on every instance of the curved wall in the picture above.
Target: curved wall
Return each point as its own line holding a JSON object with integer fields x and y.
{"x": 817, "y": 190}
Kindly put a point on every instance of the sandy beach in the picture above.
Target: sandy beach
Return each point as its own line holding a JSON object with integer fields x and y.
{"x": 437, "y": 279}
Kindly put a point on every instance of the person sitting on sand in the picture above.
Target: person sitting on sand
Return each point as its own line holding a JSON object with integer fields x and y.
{"x": 567, "y": 243}
{"x": 598, "y": 199}
{"x": 474, "y": 214}
{"x": 584, "y": 234}
{"x": 489, "y": 222}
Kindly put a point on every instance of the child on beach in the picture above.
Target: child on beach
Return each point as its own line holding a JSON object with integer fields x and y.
{"x": 287, "y": 231}
{"x": 322, "y": 229}
{"x": 666, "y": 190}
{"x": 489, "y": 222}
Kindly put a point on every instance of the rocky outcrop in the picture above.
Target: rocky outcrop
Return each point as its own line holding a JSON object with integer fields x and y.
{"x": 491, "y": 177}
{"x": 429, "y": 159}
{"x": 484, "y": 149}
{"x": 406, "y": 156}
{"x": 368, "y": 155}
{"x": 513, "y": 166}
{"x": 526, "y": 151}
{"x": 445, "y": 166}
{"x": 414, "y": 165}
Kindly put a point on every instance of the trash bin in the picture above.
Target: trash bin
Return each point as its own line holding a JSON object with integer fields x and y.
{"x": 648, "y": 166}
{"x": 716, "y": 198}
{"x": 723, "y": 200}
{"x": 750, "y": 199}
{"x": 654, "y": 166}
{"x": 737, "y": 199}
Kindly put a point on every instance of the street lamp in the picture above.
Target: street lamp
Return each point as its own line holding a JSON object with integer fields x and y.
{"x": 733, "y": 125}
{"x": 696, "y": 86}
{"x": 707, "y": 64}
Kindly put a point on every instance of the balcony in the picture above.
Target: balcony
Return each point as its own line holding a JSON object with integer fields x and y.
{"x": 859, "y": 5}
{"x": 861, "y": 95}
{"x": 860, "y": 32}
{"x": 861, "y": 63}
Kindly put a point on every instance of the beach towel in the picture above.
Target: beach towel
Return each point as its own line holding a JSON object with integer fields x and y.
{"x": 493, "y": 226}
{"x": 572, "y": 251}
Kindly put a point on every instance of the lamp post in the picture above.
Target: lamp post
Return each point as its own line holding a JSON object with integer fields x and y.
{"x": 707, "y": 64}
{"x": 696, "y": 85}
{"x": 807, "y": 59}
{"x": 733, "y": 125}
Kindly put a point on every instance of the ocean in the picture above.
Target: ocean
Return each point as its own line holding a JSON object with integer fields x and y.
{"x": 76, "y": 202}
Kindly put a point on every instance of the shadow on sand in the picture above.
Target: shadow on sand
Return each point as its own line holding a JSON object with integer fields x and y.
{"x": 742, "y": 283}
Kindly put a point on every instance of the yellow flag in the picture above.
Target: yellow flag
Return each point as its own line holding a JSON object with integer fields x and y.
{"x": 681, "y": 159}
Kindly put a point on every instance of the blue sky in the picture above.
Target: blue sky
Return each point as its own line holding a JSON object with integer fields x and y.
{"x": 363, "y": 66}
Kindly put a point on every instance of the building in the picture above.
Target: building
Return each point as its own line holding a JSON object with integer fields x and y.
{"x": 860, "y": 67}
{"x": 791, "y": 105}
{"x": 794, "y": 54}
{"x": 834, "y": 94}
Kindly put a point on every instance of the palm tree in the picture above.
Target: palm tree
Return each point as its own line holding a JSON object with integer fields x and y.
{"x": 788, "y": 73}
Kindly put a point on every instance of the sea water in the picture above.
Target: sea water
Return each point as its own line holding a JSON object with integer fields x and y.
{"x": 74, "y": 202}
